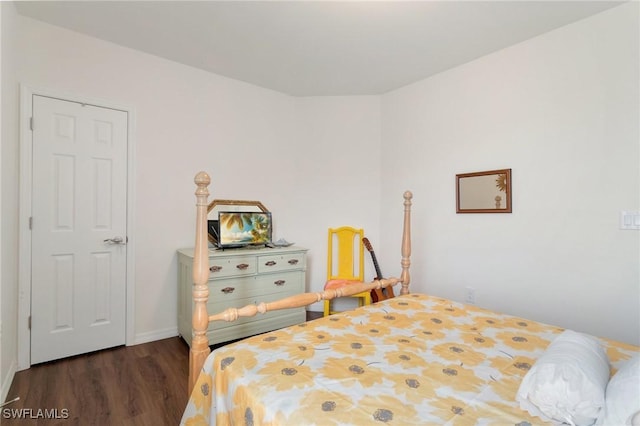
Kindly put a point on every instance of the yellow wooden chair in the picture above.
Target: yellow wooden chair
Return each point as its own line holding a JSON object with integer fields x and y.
{"x": 345, "y": 263}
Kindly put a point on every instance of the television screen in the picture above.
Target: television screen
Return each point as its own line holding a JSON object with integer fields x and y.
{"x": 237, "y": 229}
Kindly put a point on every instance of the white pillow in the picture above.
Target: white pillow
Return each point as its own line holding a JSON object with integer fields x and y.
{"x": 567, "y": 383}
{"x": 622, "y": 398}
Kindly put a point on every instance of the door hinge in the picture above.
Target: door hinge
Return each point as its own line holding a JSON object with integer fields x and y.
{"x": 29, "y": 322}
{"x": 30, "y": 222}
{"x": 31, "y": 123}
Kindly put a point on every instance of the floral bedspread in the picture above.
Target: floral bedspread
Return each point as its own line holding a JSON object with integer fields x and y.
{"x": 410, "y": 360}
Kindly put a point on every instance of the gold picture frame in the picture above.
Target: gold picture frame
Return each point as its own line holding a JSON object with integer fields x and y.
{"x": 484, "y": 192}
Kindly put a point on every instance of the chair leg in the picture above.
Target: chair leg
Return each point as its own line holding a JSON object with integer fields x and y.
{"x": 327, "y": 308}
{"x": 367, "y": 298}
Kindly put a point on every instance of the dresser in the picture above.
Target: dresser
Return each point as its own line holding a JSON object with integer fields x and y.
{"x": 239, "y": 277}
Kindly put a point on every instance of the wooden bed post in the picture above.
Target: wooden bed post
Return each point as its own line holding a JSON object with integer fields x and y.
{"x": 405, "y": 277}
{"x": 200, "y": 321}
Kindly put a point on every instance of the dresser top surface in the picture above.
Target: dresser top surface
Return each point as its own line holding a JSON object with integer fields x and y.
{"x": 246, "y": 251}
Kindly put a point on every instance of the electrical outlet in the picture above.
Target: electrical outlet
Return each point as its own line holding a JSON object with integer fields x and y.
{"x": 629, "y": 220}
{"x": 470, "y": 295}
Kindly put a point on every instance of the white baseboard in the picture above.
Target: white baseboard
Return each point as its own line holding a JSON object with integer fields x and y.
{"x": 152, "y": 336}
{"x": 6, "y": 382}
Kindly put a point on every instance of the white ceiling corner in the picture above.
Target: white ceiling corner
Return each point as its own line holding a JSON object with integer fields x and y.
{"x": 316, "y": 48}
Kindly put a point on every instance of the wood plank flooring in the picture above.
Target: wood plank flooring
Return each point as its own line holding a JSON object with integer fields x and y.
{"x": 135, "y": 385}
{"x": 129, "y": 385}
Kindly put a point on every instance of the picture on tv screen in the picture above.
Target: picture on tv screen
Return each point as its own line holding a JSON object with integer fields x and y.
{"x": 244, "y": 228}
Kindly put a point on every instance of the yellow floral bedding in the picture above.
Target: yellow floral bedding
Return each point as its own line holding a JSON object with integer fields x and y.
{"x": 410, "y": 360}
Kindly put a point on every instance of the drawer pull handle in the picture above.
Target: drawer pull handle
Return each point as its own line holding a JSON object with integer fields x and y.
{"x": 270, "y": 263}
{"x": 228, "y": 290}
{"x": 242, "y": 266}
{"x": 293, "y": 261}
{"x": 279, "y": 282}
{"x": 216, "y": 268}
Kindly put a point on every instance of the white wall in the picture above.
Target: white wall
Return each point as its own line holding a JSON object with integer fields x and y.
{"x": 562, "y": 111}
{"x": 3, "y": 392}
{"x": 336, "y": 164}
{"x": 8, "y": 200}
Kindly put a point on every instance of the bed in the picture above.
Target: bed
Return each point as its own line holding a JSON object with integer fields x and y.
{"x": 412, "y": 359}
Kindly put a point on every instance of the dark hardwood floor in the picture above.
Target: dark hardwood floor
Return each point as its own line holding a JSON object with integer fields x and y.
{"x": 136, "y": 385}
{"x": 129, "y": 385}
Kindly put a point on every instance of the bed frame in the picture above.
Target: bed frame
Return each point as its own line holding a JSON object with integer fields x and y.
{"x": 201, "y": 318}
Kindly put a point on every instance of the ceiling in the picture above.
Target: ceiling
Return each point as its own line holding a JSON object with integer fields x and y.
{"x": 316, "y": 48}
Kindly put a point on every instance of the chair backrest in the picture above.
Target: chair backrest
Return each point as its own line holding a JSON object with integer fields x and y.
{"x": 345, "y": 257}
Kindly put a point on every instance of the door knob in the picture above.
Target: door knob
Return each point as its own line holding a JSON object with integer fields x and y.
{"x": 115, "y": 240}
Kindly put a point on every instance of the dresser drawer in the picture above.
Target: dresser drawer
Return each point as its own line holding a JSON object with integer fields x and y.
{"x": 233, "y": 289}
{"x": 225, "y": 267}
{"x": 290, "y": 282}
{"x": 280, "y": 262}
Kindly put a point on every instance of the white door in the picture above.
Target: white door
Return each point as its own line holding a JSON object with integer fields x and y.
{"x": 78, "y": 265}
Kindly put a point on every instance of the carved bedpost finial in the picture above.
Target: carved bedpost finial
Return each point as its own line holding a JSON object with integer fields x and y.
{"x": 406, "y": 244}
{"x": 202, "y": 181}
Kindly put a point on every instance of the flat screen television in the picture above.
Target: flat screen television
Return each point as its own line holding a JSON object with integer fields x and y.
{"x": 239, "y": 229}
